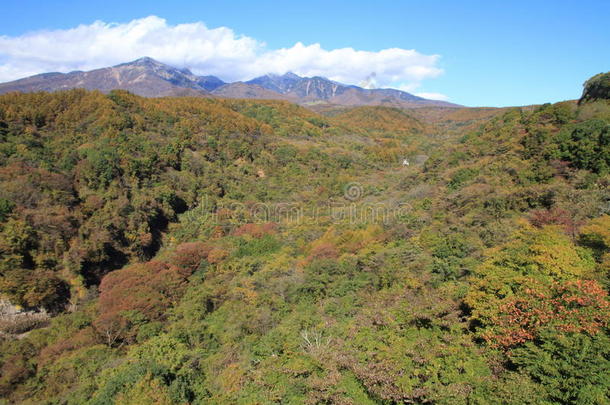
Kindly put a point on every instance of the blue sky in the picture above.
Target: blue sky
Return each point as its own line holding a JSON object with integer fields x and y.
{"x": 491, "y": 53}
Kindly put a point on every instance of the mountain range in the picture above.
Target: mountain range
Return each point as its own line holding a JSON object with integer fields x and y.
{"x": 150, "y": 78}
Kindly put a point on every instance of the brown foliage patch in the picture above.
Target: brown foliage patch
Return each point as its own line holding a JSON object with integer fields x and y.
{"x": 256, "y": 230}
{"x": 188, "y": 256}
{"x": 144, "y": 289}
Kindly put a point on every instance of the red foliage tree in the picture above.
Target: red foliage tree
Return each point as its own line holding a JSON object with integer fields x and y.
{"x": 188, "y": 256}
{"x": 139, "y": 293}
{"x": 576, "y": 306}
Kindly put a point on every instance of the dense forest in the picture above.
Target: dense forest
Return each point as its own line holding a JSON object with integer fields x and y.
{"x": 211, "y": 251}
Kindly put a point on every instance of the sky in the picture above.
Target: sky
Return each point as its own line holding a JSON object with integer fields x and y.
{"x": 474, "y": 53}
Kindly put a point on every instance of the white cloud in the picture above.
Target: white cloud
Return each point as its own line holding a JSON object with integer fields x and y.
{"x": 433, "y": 96}
{"x": 215, "y": 51}
{"x": 408, "y": 87}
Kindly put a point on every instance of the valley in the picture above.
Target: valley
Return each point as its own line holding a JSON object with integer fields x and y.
{"x": 192, "y": 249}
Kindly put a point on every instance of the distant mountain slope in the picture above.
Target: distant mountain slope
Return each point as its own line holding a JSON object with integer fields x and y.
{"x": 251, "y": 91}
{"x": 281, "y": 84}
{"x": 210, "y": 82}
{"x": 144, "y": 77}
{"x": 150, "y": 78}
{"x": 313, "y": 90}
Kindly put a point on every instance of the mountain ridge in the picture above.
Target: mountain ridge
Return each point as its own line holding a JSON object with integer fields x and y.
{"x": 150, "y": 78}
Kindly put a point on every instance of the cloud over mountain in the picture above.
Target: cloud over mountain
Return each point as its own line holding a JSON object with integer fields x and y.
{"x": 433, "y": 96}
{"x": 214, "y": 51}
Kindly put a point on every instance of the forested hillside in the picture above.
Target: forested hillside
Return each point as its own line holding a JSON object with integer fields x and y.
{"x": 209, "y": 251}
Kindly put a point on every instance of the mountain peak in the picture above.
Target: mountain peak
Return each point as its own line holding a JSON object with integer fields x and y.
{"x": 278, "y": 83}
{"x": 287, "y": 75}
{"x": 290, "y": 75}
{"x": 144, "y": 61}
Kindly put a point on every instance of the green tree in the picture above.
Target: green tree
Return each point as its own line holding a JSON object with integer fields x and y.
{"x": 572, "y": 368}
{"x": 587, "y": 145}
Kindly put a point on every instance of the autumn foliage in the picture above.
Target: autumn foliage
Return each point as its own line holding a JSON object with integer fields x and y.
{"x": 188, "y": 256}
{"x": 580, "y": 306}
{"x": 484, "y": 279}
{"x": 256, "y": 230}
{"x": 139, "y": 293}
{"x": 555, "y": 216}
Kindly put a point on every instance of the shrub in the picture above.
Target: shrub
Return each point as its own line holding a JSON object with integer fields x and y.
{"x": 587, "y": 145}
{"x": 461, "y": 177}
{"x": 258, "y": 247}
{"x": 6, "y": 207}
{"x": 570, "y": 368}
